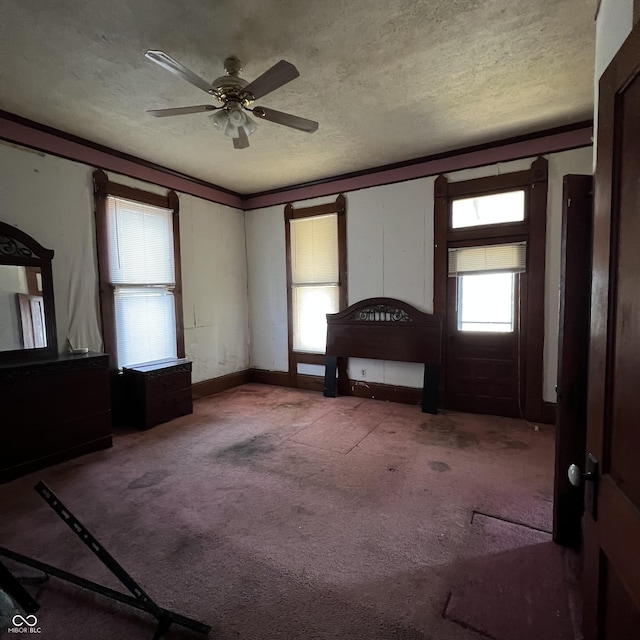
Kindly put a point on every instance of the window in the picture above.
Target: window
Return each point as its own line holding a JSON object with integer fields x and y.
{"x": 486, "y": 302}
{"x": 495, "y": 208}
{"x": 139, "y": 274}
{"x": 486, "y": 285}
{"x": 316, "y": 277}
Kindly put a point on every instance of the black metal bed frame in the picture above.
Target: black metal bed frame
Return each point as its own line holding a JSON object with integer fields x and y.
{"x": 140, "y": 600}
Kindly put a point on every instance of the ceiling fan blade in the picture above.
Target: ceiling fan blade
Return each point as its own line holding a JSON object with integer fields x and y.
{"x": 273, "y": 78}
{"x": 179, "y": 111}
{"x": 168, "y": 63}
{"x": 288, "y": 120}
{"x": 242, "y": 141}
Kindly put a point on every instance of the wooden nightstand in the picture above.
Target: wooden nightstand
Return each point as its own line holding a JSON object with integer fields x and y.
{"x": 157, "y": 392}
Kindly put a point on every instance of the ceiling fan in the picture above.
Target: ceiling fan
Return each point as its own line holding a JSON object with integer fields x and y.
{"x": 236, "y": 95}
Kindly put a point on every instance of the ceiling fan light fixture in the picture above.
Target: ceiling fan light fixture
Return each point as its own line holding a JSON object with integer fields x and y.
{"x": 229, "y": 121}
{"x": 250, "y": 126}
{"x": 219, "y": 118}
{"x": 236, "y": 117}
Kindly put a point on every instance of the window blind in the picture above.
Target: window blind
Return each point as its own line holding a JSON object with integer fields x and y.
{"x": 314, "y": 250}
{"x": 496, "y": 258}
{"x": 140, "y": 243}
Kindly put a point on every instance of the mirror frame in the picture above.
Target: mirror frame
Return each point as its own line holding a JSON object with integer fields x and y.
{"x": 20, "y": 249}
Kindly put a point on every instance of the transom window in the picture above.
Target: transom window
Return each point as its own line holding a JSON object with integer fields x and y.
{"x": 496, "y": 208}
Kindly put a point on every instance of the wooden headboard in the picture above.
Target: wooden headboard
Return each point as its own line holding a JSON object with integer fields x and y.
{"x": 386, "y": 329}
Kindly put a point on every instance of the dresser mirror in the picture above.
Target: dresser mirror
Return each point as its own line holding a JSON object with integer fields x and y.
{"x": 27, "y": 314}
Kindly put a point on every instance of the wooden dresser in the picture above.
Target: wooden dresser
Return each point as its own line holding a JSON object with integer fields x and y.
{"x": 157, "y": 392}
{"x": 53, "y": 409}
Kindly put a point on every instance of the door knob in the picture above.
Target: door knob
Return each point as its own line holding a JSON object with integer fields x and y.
{"x": 591, "y": 486}
{"x": 576, "y": 476}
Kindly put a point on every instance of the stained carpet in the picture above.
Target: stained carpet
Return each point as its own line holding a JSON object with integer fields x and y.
{"x": 517, "y": 583}
{"x": 273, "y": 513}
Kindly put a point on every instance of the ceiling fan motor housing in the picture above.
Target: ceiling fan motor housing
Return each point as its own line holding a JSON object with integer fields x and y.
{"x": 230, "y": 88}
{"x": 233, "y": 66}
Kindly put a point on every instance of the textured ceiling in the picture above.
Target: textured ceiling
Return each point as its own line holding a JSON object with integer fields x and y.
{"x": 388, "y": 81}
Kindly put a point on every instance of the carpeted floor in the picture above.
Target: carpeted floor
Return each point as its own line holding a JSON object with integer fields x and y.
{"x": 277, "y": 514}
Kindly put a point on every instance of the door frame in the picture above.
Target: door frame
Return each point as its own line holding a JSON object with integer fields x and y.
{"x": 573, "y": 352}
{"x": 534, "y": 181}
{"x": 517, "y": 339}
{"x": 615, "y": 531}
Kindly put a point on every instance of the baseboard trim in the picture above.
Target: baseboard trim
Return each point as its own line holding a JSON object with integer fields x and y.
{"x": 548, "y": 413}
{"x": 362, "y": 389}
{"x": 385, "y": 392}
{"x": 357, "y": 388}
{"x": 282, "y": 379}
{"x": 216, "y": 385}
{"x": 311, "y": 383}
{"x": 262, "y": 376}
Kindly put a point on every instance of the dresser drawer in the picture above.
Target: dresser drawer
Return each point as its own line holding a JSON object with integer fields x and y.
{"x": 172, "y": 382}
{"x": 43, "y": 440}
{"x": 55, "y": 398}
{"x": 172, "y": 405}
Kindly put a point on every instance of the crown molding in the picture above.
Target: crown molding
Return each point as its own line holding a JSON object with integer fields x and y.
{"x": 573, "y": 136}
{"x": 19, "y": 130}
{"x": 27, "y": 133}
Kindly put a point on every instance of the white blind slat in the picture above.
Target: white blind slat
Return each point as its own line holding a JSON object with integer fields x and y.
{"x": 314, "y": 249}
{"x": 140, "y": 243}
{"x": 497, "y": 258}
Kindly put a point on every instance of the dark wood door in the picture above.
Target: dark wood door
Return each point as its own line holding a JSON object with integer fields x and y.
{"x": 612, "y": 530}
{"x": 482, "y": 367}
{"x": 573, "y": 354}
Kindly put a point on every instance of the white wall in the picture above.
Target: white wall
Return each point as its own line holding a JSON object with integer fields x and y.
{"x": 214, "y": 276}
{"x": 390, "y": 253}
{"x": 614, "y": 24}
{"x": 267, "y": 276}
{"x": 52, "y": 199}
